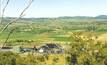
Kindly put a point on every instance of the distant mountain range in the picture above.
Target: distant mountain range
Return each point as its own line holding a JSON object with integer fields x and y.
{"x": 87, "y": 17}
{"x": 66, "y": 17}
{"x": 102, "y": 16}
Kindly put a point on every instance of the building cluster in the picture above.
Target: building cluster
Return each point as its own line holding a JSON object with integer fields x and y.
{"x": 46, "y": 48}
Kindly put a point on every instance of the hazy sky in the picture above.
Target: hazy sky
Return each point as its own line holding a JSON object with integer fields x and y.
{"x": 56, "y": 8}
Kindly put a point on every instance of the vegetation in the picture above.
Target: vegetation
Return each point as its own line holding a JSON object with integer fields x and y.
{"x": 52, "y": 29}
{"x": 83, "y": 35}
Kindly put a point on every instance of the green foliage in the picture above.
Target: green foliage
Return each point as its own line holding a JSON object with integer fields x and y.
{"x": 8, "y": 58}
{"x": 88, "y": 51}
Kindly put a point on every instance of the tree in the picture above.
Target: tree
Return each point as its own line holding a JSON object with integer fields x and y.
{"x": 87, "y": 50}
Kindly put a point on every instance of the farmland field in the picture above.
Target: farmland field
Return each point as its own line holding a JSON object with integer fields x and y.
{"x": 52, "y": 29}
{"x": 83, "y": 39}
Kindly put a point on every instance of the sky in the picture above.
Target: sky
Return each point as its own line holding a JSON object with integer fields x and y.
{"x": 56, "y": 8}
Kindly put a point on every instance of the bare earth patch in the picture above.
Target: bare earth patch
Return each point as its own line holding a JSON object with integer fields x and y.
{"x": 102, "y": 37}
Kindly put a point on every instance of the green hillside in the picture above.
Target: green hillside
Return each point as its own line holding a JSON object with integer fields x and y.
{"x": 51, "y": 29}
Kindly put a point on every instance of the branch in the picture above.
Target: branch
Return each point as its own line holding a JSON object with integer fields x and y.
{"x": 7, "y": 2}
{"x": 30, "y": 2}
{"x": 7, "y": 37}
{"x": 6, "y": 26}
{"x": 21, "y": 15}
